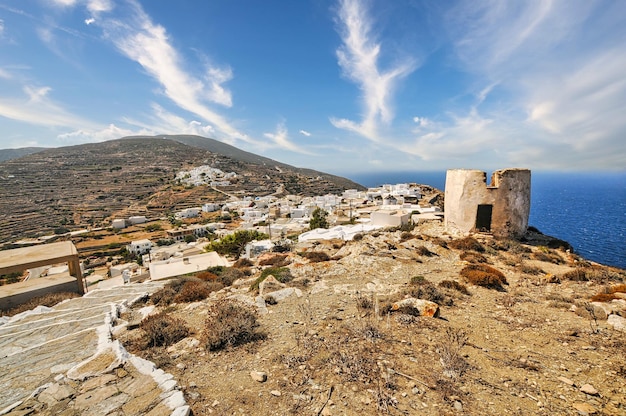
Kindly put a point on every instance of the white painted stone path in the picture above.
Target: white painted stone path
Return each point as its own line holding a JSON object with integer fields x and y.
{"x": 62, "y": 361}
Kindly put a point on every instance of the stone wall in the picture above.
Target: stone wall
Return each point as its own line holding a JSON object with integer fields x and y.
{"x": 502, "y": 207}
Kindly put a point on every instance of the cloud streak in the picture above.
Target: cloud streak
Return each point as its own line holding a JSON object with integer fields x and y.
{"x": 359, "y": 59}
{"x": 37, "y": 108}
{"x": 281, "y": 140}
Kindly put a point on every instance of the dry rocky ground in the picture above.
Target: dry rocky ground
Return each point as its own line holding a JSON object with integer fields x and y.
{"x": 332, "y": 346}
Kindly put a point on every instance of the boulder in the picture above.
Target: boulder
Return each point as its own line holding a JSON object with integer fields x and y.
{"x": 283, "y": 294}
{"x": 270, "y": 284}
{"x": 617, "y": 322}
{"x": 259, "y": 376}
{"x": 424, "y": 307}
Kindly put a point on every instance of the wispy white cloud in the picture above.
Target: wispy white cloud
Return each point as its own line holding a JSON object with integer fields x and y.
{"x": 109, "y": 132}
{"x": 358, "y": 58}
{"x": 305, "y": 133}
{"x": 89, "y": 21}
{"x": 162, "y": 121}
{"x": 551, "y": 86}
{"x": 36, "y": 107}
{"x": 147, "y": 43}
{"x": 281, "y": 140}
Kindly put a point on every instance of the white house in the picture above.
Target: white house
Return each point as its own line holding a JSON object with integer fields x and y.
{"x": 188, "y": 213}
{"x": 137, "y": 219}
{"x": 118, "y": 224}
{"x": 254, "y": 248}
{"x": 340, "y": 232}
{"x": 211, "y": 207}
{"x": 385, "y": 218}
{"x": 139, "y": 247}
{"x": 178, "y": 266}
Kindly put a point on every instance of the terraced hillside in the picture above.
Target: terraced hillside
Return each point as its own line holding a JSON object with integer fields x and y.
{"x": 87, "y": 185}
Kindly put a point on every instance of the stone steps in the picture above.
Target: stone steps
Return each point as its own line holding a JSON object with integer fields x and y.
{"x": 62, "y": 359}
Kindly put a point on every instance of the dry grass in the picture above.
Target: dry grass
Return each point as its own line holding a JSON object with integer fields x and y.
{"x": 230, "y": 324}
{"x": 548, "y": 256}
{"x": 452, "y": 361}
{"x": 454, "y": 285}
{"x": 484, "y": 275}
{"x": 48, "y": 300}
{"x": 595, "y": 273}
{"x": 278, "y": 260}
{"x": 315, "y": 256}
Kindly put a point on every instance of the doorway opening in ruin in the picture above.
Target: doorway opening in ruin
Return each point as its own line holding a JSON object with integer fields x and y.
{"x": 483, "y": 218}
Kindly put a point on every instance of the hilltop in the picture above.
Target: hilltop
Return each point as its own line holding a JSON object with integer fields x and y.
{"x": 74, "y": 187}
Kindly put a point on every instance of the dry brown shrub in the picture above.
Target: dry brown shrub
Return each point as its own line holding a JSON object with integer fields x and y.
{"x": 603, "y": 297}
{"x": 428, "y": 291}
{"x": 406, "y": 235}
{"x": 548, "y": 256}
{"x": 473, "y": 257}
{"x": 576, "y": 275}
{"x": 609, "y": 293}
{"x": 243, "y": 263}
{"x": 206, "y": 276}
{"x": 48, "y": 300}
{"x": 453, "y": 284}
{"x": 163, "y": 296}
{"x": 278, "y": 260}
{"x": 162, "y": 330}
{"x": 193, "y": 291}
{"x": 228, "y": 276}
{"x": 618, "y": 288}
{"x": 484, "y": 275}
{"x": 229, "y": 324}
{"x": 530, "y": 269}
{"x": 423, "y": 251}
{"x": 467, "y": 243}
{"x": 315, "y": 256}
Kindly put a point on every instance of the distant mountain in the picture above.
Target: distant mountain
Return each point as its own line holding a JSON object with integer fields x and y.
{"x": 8, "y": 154}
{"x": 88, "y": 185}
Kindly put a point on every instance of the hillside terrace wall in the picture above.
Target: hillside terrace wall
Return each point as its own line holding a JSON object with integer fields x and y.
{"x": 501, "y": 208}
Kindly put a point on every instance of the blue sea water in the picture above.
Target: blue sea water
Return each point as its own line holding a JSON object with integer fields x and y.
{"x": 588, "y": 210}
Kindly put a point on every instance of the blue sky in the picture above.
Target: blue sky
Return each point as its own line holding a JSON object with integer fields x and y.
{"x": 343, "y": 86}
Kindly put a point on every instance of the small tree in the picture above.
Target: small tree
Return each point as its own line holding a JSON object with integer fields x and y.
{"x": 234, "y": 244}
{"x": 318, "y": 219}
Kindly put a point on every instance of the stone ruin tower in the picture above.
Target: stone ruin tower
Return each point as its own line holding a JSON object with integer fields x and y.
{"x": 501, "y": 208}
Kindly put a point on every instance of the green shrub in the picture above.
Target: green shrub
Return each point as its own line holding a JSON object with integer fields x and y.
{"x": 318, "y": 219}
{"x": 282, "y": 274}
{"x": 229, "y": 324}
{"x": 234, "y": 244}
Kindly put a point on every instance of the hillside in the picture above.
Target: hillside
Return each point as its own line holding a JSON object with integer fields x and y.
{"x": 328, "y": 342}
{"x": 541, "y": 332}
{"x": 8, "y": 154}
{"x": 87, "y": 185}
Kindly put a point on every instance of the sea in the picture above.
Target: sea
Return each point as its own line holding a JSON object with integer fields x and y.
{"x": 588, "y": 209}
